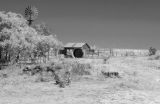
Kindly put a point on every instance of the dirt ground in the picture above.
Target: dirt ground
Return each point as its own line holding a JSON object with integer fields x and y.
{"x": 139, "y": 84}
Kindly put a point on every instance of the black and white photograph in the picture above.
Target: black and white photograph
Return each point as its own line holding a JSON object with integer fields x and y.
{"x": 79, "y": 51}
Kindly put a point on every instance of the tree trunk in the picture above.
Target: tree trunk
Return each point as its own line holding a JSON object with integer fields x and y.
{"x": 6, "y": 55}
{"x": 0, "y": 52}
{"x": 17, "y": 57}
{"x": 48, "y": 55}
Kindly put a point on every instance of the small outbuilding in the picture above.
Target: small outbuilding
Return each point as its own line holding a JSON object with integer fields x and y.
{"x": 77, "y": 50}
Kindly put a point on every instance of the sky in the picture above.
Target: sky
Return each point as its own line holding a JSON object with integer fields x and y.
{"x": 133, "y": 24}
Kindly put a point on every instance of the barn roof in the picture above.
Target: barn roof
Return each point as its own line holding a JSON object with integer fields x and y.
{"x": 75, "y": 45}
{"x": 79, "y": 44}
{"x": 69, "y": 45}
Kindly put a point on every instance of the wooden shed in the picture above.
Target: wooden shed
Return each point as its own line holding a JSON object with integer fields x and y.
{"x": 77, "y": 50}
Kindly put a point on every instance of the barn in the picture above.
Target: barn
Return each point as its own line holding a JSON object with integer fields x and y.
{"x": 77, "y": 50}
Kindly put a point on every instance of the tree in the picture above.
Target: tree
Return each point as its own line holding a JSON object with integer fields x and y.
{"x": 31, "y": 13}
{"x": 42, "y": 29}
{"x": 49, "y": 40}
{"x": 18, "y": 39}
{"x": 15, "y": 35}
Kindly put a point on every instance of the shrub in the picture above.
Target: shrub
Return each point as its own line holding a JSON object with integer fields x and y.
{"x": 62, "y": 77}
{"x": 60, "y": 74}
{"x": 152, "y": 51}
{"x": 80, "y": 69}
{"x": 66, "y": 71}
{"x": 33, "y": 69}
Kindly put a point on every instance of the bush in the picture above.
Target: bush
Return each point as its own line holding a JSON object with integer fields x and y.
{"x": 60, "y": 74}
{"x": 152, "y": 51}
{"x": 80, "y": 69}
{"x": 62, "y": 78}
{"x": 66, "y": 72}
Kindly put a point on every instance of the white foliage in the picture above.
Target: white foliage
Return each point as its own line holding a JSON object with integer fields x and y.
{"x": 15, "y": 33}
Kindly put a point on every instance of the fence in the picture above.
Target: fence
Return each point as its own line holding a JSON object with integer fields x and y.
{"x": 52, "y": 54}
{"x": 99, "y": 53}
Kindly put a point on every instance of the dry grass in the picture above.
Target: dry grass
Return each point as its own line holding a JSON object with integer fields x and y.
{"x": 154, "y": 57}
{"x": 139, "y": 83}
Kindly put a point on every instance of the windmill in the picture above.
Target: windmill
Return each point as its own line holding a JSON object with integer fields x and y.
{"x": 31, "y": 13}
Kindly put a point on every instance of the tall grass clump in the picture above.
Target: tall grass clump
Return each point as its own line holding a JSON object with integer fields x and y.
{"x": 80, "y": 68}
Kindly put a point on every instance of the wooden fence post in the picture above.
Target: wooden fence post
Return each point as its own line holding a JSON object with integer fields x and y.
{"x": 48, "y": 55}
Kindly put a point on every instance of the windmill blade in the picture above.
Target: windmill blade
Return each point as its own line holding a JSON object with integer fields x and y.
{"x": 31, "y": 13}
{"x": 34, "y": 12}
{"x": 28, "y": 11}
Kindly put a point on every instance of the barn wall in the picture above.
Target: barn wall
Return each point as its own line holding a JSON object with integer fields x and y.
{"x": 86, "y": 50}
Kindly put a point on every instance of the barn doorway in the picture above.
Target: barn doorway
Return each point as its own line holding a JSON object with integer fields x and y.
{"x": 78, "y": 53}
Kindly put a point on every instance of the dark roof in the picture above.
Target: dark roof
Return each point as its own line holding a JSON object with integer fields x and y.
{"x": 75, "y": 45}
